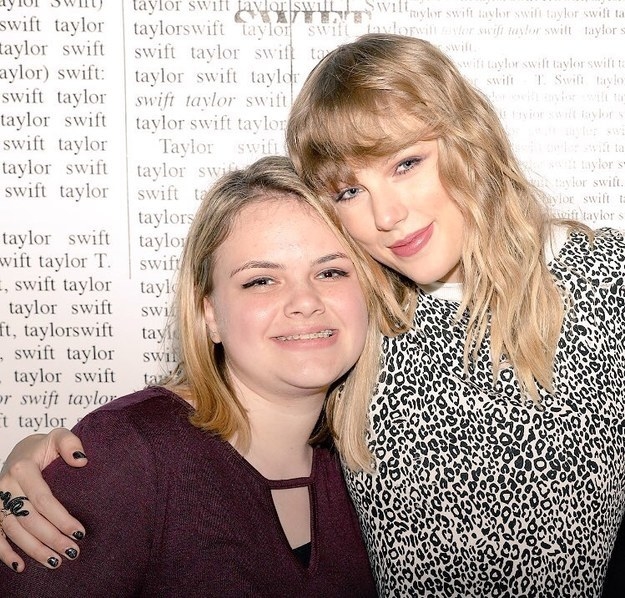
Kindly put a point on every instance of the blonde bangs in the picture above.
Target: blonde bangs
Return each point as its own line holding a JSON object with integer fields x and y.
{"x": 364, "y": 101}
{"x": 343, "y": 138}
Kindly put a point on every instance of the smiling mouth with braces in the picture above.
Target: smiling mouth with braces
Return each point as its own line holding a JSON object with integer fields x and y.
{"x": 306, "y": 337}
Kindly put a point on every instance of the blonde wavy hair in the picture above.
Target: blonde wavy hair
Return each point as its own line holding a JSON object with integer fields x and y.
{"x": 373, "y": 97}
{"x": 201, "y": 375}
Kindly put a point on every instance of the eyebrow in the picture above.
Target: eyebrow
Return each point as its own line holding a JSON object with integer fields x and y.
{"x": 274, "y": 266}
{"x": 256, "y": 264}
{"x": 330, "y": 257}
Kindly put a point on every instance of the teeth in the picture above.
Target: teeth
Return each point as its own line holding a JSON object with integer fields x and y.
{"x": 306, "y": 337}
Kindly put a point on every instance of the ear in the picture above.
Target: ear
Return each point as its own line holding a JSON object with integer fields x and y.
{"x": 211, "y": 322}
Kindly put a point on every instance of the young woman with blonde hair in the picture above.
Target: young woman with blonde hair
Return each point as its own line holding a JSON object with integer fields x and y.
{"x": 498, "y": 425}
{"x": 276, "y": 313}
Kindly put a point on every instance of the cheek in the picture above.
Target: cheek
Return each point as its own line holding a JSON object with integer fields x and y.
{"x": 457, "y": 224}
{"x": 250, "y": 321}
{"x": 358, "y": 317}
{"x": 357, "y": 224}
{"x": 364, "y": 326}
{"x": 231, "y": 318}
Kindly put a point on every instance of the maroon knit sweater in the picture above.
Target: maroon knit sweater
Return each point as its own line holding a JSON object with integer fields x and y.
{"x": 172, "y": 511}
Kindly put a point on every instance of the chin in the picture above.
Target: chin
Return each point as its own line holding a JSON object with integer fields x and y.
{"x": 315, "y": 381}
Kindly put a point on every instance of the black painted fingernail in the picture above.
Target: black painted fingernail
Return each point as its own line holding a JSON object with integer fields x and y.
{"x": 79, "y": 455}
{"x": 72, "y": 553}
{"x": 53, "y": 562}
{"x": 15, "y": 566}
{"x": 78, "y": 535}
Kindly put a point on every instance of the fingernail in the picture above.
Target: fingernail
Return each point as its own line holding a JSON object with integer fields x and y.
{"x": 53, "y": 562}
{"x": 78, "y": 535}
{"x": 79, "y": 455}
{"x": 15, "y": 566}
{"x": 72, "y": 553}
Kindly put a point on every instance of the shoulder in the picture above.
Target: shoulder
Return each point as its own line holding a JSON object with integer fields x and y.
{"x": 133, "y": 463}
{"x": 131, "y": 438}
{"x": 140, "y": 418}
{"x": 600, "y": 243}
{"x": 598, "y": 257}
{"x": 153, "y": 404}
{"x": 608, "y": 245}
{"x": 149, "y": 398}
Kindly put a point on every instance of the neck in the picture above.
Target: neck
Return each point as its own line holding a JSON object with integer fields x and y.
{"x": 280, "y": 429}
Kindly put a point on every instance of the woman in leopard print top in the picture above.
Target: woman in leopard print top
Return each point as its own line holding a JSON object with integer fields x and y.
{"x": 497, "y": 431}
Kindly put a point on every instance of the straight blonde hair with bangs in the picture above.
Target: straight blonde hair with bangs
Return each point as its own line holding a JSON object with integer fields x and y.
{"x": 371, "y": 98}
{"x": 201, "y": 375}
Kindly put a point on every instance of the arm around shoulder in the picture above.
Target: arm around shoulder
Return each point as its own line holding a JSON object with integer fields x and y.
{"x": 113, "y": 497}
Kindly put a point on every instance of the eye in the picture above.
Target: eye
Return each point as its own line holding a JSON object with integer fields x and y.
{"x": 261, "y": 281}
{"x": 347, "y": 194}
{"x": 332, "y": 273}
{"x": 406, "y": 165}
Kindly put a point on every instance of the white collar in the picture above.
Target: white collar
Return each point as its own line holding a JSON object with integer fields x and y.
{"x": 449, "y": 291}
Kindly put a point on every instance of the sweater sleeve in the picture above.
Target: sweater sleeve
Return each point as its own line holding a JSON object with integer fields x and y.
{"x": 114, "y": 496}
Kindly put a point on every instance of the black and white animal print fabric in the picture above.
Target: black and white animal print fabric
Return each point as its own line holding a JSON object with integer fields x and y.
{"x": 478, "y": 493}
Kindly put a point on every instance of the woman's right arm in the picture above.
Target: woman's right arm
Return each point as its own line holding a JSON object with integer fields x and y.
{"x": 48, "y": 531}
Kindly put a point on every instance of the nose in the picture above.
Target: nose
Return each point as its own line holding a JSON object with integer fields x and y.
{"x": 387, "y": 207}
{"x": 304, "y": 300}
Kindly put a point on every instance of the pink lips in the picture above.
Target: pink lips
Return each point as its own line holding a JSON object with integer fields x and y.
{"x": 412, "y": 244}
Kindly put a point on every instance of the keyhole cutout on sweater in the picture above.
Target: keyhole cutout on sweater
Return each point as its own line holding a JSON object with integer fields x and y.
{"x": 293, "y": 507}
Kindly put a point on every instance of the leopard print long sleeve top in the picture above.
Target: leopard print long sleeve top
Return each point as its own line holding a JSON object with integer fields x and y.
{"x": 480, "y": 493}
